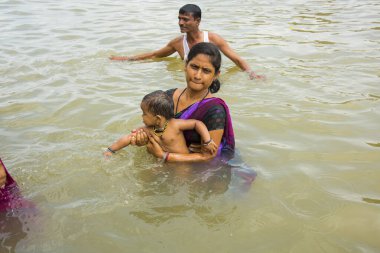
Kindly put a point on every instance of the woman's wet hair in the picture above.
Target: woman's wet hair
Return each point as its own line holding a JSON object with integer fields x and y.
{"x": 213, "y": 53}
{"x": 192, "y": 9}
{"x": 159, "y": 103}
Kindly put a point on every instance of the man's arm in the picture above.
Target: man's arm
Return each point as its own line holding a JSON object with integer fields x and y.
{"x": 163, "y": 52}
{"x": 233, "y": 56}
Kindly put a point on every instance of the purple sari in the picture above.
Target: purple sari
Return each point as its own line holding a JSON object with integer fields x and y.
{"x": 17, "y": 215}
{"x": 10, "y": 195}
{"x": 199, "y": 111}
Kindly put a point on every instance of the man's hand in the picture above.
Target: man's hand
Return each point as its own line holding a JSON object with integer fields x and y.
{"x": 253, "y": 75}
{"x": 119, "y": 58}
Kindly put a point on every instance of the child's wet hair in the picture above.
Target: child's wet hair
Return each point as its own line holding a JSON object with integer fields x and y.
{"x": 159, "y": 103}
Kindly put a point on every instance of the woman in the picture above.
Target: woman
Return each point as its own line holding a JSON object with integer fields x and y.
{"x": 197, "y": 101}
{"x": 17, "y": 214}
{"x": 8, "y": 189}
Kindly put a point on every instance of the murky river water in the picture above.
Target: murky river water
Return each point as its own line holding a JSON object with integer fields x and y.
{"x": 310, "y": 131}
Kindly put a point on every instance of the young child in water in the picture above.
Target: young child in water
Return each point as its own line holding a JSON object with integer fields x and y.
{"x": 158, "y": 113}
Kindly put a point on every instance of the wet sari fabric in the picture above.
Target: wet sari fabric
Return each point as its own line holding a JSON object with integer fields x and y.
{"x": 199, "y": 111}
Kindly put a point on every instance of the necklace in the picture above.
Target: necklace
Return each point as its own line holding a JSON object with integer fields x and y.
{"x": 180, "y": 95}
{"x": 159, "y": 131}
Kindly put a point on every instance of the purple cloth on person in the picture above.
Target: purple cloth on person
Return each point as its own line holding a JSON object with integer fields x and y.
{"x": 10, "y": 195}
{"x": 199, "y": 110}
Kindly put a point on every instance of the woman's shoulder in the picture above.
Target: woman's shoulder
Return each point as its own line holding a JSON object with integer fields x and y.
{"x": 174, "y": 93}
{"x": 216, "y": 105}
{"x": 216, "y": 102}
{"x": 213, "y": 107}
{"x": 170, "y": 92}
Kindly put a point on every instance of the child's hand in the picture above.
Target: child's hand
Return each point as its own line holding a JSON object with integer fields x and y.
{"x": 210, "y": 147}
{"x": 107, "y": 154}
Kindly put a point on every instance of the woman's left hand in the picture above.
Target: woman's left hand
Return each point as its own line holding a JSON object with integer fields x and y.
{"x": 211, "y": 148}
{"x": 154, "y": 148}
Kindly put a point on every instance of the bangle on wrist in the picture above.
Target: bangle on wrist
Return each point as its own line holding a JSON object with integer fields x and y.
{"x": 111, "y": 150}
{"x": 165, "y": 156}
{"x": 207, "y": 142}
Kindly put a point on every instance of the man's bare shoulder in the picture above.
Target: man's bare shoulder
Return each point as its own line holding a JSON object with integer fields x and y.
{"x": 176, "y": 41}
{"x": 215, "y": 38}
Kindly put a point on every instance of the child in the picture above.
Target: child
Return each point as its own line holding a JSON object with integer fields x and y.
{"x": 158, "y": 118}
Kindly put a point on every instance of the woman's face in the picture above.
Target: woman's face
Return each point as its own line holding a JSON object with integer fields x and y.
{"x": 200, "y": 73}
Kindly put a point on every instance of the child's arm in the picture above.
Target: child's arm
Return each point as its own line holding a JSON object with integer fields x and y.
{"x": 207, "y": 143}
{"x": 119, "y": 144}
{"x": 124, "y": 141}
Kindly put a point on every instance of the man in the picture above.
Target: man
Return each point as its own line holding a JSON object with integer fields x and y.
{"x": 189, "y": 19}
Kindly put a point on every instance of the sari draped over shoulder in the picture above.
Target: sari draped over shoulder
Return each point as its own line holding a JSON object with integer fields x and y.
{"x": 198, "y": 111}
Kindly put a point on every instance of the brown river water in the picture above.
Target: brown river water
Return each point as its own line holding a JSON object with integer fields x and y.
{"x": 311, "y": 131}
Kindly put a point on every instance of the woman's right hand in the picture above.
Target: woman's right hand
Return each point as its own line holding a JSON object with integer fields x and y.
{"x": 211, "y": 148}
{"x": 139, "y": 137}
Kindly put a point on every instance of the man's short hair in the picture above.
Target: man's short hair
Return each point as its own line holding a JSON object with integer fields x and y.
{"x": 192, "y": 9}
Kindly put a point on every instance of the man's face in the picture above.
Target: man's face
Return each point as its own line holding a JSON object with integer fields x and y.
{"x": 187, "y": 23}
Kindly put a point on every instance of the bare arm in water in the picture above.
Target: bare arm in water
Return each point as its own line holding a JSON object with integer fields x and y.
{"x": 122, "y": 142}
{"x": 155, "y": 149}
{"x": 233, "y": 56}
{"x": 167, "y": 50}
{"x": 208, "y": 143}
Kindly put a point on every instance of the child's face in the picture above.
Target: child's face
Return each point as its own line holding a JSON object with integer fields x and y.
{"x": 148, "y": 118}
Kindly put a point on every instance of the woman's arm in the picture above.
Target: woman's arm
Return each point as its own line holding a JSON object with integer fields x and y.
{"x": 155, "y": 149}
